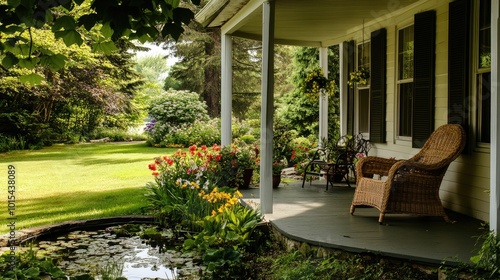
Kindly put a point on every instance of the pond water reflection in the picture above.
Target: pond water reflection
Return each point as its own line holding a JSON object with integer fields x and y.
{"x": 92, "y": 252}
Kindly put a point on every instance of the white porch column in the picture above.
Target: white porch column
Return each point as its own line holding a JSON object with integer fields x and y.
{"x": 344, "y": 90}
{"x": 266, "y": 126}
{"x": 226, "y": 88}
{"x": 495, "y": 125}
{"x": 323, "y": 99}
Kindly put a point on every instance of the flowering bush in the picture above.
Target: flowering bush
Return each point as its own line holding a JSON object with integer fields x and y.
{"x": 301, "y": 150}
{"x": 186, "y": 192}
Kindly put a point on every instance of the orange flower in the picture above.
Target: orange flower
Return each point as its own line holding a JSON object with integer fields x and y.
{"x": 192, "y": 149}
{"x": 155, "y": 173}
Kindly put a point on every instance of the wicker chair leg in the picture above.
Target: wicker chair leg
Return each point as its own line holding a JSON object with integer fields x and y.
{"x": 381, "y": 218}
{"x": 448, "y": 220}
{"x": 352, "y": 209}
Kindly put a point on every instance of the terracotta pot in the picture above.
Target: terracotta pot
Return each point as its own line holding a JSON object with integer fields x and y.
{"x": 247, "y": 178}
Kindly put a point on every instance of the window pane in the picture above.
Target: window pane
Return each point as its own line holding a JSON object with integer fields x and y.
{"x": 484, "y": 102}
{"x": 405, "y": 53}
{"x": 364, "y": 60}
{"x": 364, "y": 110}
{"x": 485, "y": 34}
{"x": 405, "y": 108}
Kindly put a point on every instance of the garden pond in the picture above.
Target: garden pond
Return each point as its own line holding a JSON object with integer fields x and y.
{"x": 115, "y": 251}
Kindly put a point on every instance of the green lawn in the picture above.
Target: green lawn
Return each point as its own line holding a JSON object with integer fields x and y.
{"x": 73, "y": 182}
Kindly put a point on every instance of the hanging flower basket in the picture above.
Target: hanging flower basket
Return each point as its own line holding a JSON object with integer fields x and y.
{"x": 316, "y": 83}
{"x": 359, "y": 77}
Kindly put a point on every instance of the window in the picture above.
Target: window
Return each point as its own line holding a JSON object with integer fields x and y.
{"x": 405, "y": 81}
{"x": 363, "y": 91}
{"x": 483, "y": 71}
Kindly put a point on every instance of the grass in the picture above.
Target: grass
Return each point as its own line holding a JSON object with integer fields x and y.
{"x": 73, "y": 182}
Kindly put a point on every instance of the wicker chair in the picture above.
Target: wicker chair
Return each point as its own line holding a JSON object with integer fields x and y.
{"x": 412, "y": 186}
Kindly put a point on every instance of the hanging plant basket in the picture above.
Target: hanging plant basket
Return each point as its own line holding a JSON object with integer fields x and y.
{"x": 359, "y": 77}
{"x": 316, "y": 83}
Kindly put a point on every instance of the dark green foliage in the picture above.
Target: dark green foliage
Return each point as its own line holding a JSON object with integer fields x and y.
{"x": 299, "y": 110}
{"x": 109, "y": 21}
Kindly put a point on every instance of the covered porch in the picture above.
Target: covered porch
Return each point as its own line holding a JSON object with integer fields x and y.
{"x": 321, "y": 218}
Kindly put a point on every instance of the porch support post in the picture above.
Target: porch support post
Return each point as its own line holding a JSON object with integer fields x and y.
{"x": 495, "y": 124}
{"x": 323, "y": 99}
{"x": 266, "y": 126}
{"x": 226, "y": 88}
{"x": 344, "y": 91}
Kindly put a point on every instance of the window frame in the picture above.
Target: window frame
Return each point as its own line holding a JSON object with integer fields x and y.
{"x": 398, "y": 84}
{"x": 477, "y": 71}
{"x": 359, "y": 88}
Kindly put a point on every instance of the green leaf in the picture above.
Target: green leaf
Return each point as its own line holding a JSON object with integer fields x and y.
{"x": 70, "y": 37}
{"x": 28, "y": 63}
{"x": 183, "y": 15}
{"x": 172, "y": 29}
{"x": 88, "y": 21}
{"x": 174, "y": 3}
{"x": 106, "y": 30}
{"x": 12, "y": 29}
{"x": 33, "y": 79}
{"x": 106, "y": 47}
{"x": 32, "y": 272}
{"x": 232, "y": 236}
{"x": 9, "y": 60}
{"x": 28, "y": 3}
{"x": 13, "y": 3}
{"x": 54, "y": 62}
{"x": 64, "y": 22}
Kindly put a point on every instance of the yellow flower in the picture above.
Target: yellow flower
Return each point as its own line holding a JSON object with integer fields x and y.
{"x": 238, "y": 194}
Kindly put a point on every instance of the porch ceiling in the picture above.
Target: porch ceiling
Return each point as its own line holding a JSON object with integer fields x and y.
{"x": 299, "y": 22}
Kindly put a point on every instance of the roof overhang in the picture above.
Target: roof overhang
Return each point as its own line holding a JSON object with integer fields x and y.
{"x": 317, "y": 23}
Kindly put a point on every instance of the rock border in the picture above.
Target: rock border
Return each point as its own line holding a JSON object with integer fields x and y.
{"x": 25, "y": 235}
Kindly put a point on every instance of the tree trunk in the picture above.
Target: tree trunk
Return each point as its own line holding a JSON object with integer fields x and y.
{"x": 212, "y": 87}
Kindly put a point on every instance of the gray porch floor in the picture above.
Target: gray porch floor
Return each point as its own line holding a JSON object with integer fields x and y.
{"x": 322, "y": 218}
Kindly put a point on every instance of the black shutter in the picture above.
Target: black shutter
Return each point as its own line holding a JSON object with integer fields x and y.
{"x": 459, "y": 32}
{"x": 424, "y": 60}
{"x": 351, "y": 56}
{"x": 378, "y": 68}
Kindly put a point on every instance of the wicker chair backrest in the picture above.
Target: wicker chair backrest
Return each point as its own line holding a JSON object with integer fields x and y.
{"x": 443, "y": 146}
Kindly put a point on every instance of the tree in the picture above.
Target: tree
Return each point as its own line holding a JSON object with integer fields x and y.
{"x": 91, "y": 90}
{"x": 101, "y": 22}
{"x": 299, "y": 111}
{"x": 198, "y": 66}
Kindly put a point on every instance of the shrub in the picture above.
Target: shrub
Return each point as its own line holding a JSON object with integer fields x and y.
{"x": 197, "y": 133}
{"x": 117, "y": 134}
{"x": 172, "y": 109}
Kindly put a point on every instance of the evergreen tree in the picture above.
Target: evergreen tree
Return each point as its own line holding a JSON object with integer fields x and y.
{"x": 297, "y": 110}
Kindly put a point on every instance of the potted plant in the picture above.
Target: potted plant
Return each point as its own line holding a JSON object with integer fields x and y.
{"x": 359, "y": 77}
{"x": 316, "y": 83}
{"x": 246, "y": 156}
{"x": 277, "y": 169}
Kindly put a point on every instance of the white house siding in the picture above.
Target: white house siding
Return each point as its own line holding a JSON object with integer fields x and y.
{"x": 466, "y": 183}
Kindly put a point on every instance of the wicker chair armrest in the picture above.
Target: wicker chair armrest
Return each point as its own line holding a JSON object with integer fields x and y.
{"x": 367, "y": 166}
{"x": 411, "y": 164}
